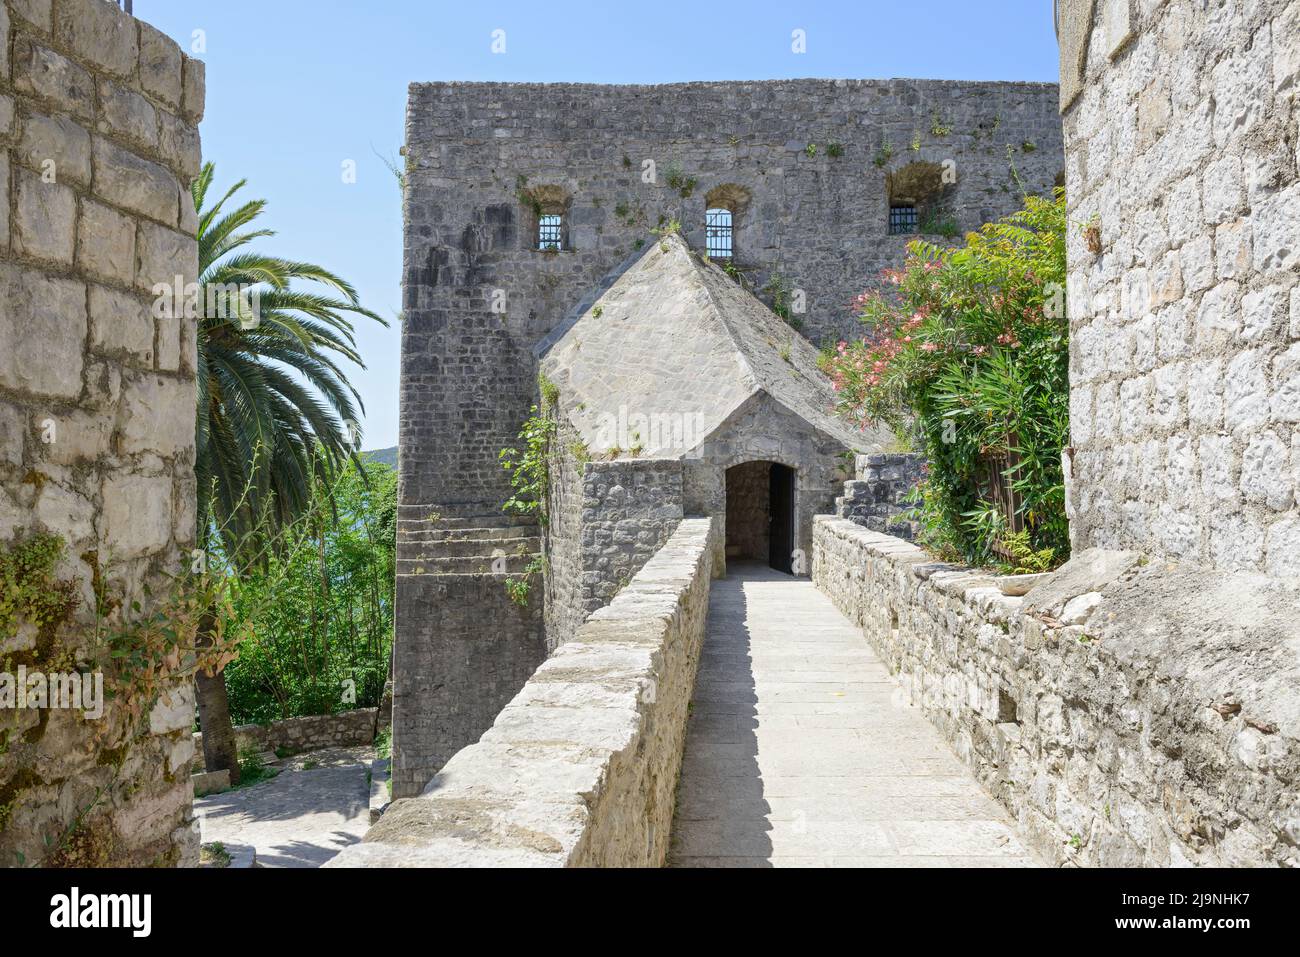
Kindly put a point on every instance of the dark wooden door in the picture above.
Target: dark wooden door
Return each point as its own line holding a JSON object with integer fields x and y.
{"x": 781, "y": 516}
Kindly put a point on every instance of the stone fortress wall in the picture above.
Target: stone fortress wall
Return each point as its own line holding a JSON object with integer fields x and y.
{"x": 99, "y": 118}
{"x": 480, "y": 154}
{"x": 483, "y": 159}
{"x": 1181, "y": 143}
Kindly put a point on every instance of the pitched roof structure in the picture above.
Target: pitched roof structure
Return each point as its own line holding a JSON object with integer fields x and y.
{"x": 670, "y": 334}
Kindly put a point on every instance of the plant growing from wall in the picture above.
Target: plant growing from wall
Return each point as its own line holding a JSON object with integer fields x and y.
{"x": 527, "y": 463}
{"x": 834, "y": 150}
{"x": 520, "y": 587}
{"x": 884, "y": 154}
{"x": 965, "y": 355}
{"x": 678, "y": 180}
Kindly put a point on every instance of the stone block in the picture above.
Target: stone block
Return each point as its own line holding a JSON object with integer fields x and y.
{"x": 137, "y": 520}
{"x": 105, "y": 243}
{"x": 135, "y": 184}
{"x": 39, "y": 13}
{"x": 1276, "y": 223}
{"x": 76, "y": 437}
{"x": 149, "y": 422}
{"x": 195, "y": 83}
{"x": 179, "y": 145}
{"x": 45, "y": 218}
{"x": 160, "y": 65}
{"x": 41, "y": 72}
{"x": 1265, "y": 477}
{"x": 100, "y": 33}
{"x": 56, "y": 147}
{"x": 125, "y": 113}
{"x": 43, "y": 355}
{"x": 13, "y": 432}
{"x": 162, "y": 255}
{"x": 121, "y": 325}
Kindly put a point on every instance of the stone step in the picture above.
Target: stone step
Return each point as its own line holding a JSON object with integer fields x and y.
{"x": 449, "y": 548}
{"x": 431, "y": 534}
{"x": 463, "y": 565}
{"x": 409, "y": 515}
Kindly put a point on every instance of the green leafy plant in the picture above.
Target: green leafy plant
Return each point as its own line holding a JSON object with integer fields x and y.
{"x": 527, "y": 463}
{"x": 811, "y": 150}
{"x": 884, "y": 154}
{"x": 678, "y": 180}
{"x": 834, "y": 150}
{"x": 965, "y": 356}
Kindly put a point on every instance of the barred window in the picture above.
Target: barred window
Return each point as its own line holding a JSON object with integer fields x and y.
{"x": 550, "y": 231}
{"x": 717, "y": 232}
{"x": 902, "y": 218}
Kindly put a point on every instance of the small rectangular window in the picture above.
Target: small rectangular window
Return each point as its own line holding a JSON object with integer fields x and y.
{"x": 550, "y": 230}
{"x": 717, "y": 233}
{"x": 902, "y": 218}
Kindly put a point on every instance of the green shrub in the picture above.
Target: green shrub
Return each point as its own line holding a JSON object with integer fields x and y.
{"x": 965, "y": 356}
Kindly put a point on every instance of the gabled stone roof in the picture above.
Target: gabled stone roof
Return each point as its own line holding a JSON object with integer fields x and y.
{"x": 670, "y": 334}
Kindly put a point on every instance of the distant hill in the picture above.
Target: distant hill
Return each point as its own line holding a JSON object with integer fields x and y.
{"x": 387, "y": 456}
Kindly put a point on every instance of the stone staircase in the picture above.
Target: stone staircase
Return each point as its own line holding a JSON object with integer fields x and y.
{"x": 467, "y": 544}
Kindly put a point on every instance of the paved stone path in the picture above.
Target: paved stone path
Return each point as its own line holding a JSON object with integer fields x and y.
{"x": 801, "y": 752}
{"x": 299, "y": 818}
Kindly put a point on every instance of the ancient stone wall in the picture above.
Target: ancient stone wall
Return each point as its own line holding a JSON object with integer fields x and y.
{"x": 628, "y": 509}
{"x": 1125, "y": 712}
{"x": 580, "y": 769}
{"x": 464, "y": 651}
{"x": 880, "y": 493}
{"x": 1181, "y": 138}
{"x": 98, "y": 130}
{"x": 306, "y": 733}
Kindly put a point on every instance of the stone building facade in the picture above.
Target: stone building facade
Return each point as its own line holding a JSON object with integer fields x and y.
{"x": 808, "y": 172}
{"x": 1181, "y": 144}
{"x": 99, "y": 118}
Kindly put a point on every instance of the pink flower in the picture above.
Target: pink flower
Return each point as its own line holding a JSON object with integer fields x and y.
{"x": 929, "y": 347}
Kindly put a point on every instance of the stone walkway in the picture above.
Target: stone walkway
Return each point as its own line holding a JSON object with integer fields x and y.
{"x": 801, "y": 752}
{"x": 299, "y": 818}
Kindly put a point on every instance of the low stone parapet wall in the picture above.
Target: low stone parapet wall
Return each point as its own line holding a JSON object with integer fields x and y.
{"x": 581, "y": 767}
{"x": 1126, "y": 712}
{"x": 342, "y": 730}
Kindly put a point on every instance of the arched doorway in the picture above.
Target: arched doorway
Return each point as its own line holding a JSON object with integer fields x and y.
{"x": 760, "y": 514}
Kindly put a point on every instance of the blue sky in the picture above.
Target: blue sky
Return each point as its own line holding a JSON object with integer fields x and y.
{"x": 297, "y": 87}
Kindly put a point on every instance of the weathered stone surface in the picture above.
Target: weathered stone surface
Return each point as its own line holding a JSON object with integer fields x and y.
{"x": 121, "y": 323}
{"x": 105, "y": 244}
{"x": 173, "y": 712}
{"x": 40, "y": 72}
{"x": 43, "y": 354}
{"x": 162, "y": 255}
{"x": 136, "y": 184}
{"x": 57, "y": 146}
{"x": 148, "y": 421}
{"x": 106, "y": 466}
{"x": 45, "y": 217}
{"x": 195, "y": 92}
{"x": 1211, "y": 179}
{"x": 160, "y": 65}
{"x": 1173, "y": 660}
{"x": 100, "y": 33}
{"x": 137, "y": 515}
{"x": 126, "y": 114}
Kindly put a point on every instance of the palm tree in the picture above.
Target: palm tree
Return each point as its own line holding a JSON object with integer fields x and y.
{"x": 275, "y": 410}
